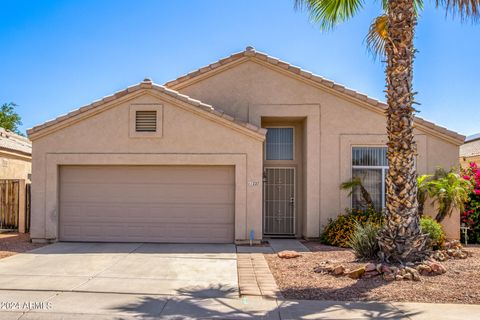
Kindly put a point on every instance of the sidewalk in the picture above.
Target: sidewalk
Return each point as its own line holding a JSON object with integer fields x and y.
{"x": 74, "y": 305}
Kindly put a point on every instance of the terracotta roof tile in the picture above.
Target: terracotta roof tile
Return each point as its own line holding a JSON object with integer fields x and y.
{"x": 14, "y": 142}
{"x": 147, "y": 84}
{"x": 250, "y": 52}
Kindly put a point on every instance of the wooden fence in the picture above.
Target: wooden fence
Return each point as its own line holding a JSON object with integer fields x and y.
{"x": 9, "y": 204}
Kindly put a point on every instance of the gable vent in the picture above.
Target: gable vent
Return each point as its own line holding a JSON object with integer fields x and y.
{"x": 146, "y": 121}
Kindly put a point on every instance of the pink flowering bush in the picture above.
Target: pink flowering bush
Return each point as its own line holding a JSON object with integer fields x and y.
{"x": 471, "y": 215}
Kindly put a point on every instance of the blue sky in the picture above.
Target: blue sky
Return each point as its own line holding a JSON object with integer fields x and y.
{"x": 59, "y": 55}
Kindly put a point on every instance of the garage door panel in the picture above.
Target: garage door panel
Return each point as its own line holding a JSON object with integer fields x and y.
{"x": 128, "y": 203}
{"x": 154, "y": 193}
{"x": 130, "y": 174}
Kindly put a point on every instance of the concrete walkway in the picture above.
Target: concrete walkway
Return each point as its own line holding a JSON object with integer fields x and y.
{"x": 287, "y": 244}
{"x": 48, "y": 305}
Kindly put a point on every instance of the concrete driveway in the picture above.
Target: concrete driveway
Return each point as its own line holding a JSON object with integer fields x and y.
{"x": 195, "y": 270}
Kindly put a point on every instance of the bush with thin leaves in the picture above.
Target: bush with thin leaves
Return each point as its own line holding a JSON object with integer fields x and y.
{"x": 364, "y": 241}
{"x": 337, "y": 232}
{"x": 436, "y": 236}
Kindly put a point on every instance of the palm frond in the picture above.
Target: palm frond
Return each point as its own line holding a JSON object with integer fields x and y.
{"x": 329, "y": 13}
{"x": 377, "y": 36}
{"x": 465, "y": 9}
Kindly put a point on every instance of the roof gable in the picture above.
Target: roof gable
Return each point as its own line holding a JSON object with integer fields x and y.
{"x": 172, "y": 96}
{"x": 250, "y": 54}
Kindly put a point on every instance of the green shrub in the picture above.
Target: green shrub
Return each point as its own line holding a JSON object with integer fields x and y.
{"x": 364, "y": 241}
{"x": 338, "y": 232}
{"x": 435, "y": 232}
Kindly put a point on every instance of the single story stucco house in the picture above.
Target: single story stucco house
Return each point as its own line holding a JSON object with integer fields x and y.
{"x": 247, "y": 147}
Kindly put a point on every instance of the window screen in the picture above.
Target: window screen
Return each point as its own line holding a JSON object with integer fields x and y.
{"x": 279, "y": 144}
{"x": 370, "y": 164}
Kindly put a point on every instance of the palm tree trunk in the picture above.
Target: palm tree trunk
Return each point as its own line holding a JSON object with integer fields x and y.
{"x": 401, "y": 239}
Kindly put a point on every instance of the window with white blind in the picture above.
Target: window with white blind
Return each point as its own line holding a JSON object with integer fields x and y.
{"x": 371, "y": 165}
{"x": 279, "y": 144}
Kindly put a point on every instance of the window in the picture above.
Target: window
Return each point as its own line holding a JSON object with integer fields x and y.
{"x": 370, "y": 164}
{"x": 279, "y": 144}
{"x": 146, "y": 121}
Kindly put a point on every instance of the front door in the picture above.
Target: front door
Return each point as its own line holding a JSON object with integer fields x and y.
{"x": 279, "y": 202}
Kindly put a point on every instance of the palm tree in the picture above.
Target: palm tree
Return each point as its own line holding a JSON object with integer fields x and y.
{"x": 401, "y": 239}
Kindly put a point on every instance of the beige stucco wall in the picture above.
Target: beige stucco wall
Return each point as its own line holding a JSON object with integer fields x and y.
{"x": 189, "y": 137}
{"x": 333, "y": 124}
{"x": 14, "y": 166}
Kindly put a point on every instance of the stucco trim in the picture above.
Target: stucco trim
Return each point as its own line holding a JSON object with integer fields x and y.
{"x": 311, "y": 157}
{"x": 250, "y": 54}
{"x": 54, "y": 160}
{"x": 196, "y": 106}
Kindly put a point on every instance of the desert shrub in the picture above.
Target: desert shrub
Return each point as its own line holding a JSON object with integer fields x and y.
{"x": 364, "y": 241}
{"x": 471, "y": 216}
{"x": 436, "y": 236}
{"x": 338, "y": 231}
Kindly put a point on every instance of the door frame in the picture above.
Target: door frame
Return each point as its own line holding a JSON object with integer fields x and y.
{"x": 294, "y": 227}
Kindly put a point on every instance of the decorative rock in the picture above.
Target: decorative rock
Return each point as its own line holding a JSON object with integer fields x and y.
{"x": 410, "y": 270}
{"x": 370, "y": 267}
{"x": 437, "y": 268}
{"x": 357, "y": 273}
{"x": 408, "y": 276}
{"x": 288, "y": 254}
{"x": 379, "y": 268}
{"x": 398, "y": 277}
{"x": 371, "y": 274}
{"x": 385, "y": 269}
{"x": 388, "y": 276}
{"x": 424, "y": 269}
{"x": 338, "y": 270}
{"x": 416, "y": 276}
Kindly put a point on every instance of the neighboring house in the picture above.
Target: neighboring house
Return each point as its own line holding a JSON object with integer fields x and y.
{"x": 249, "y": 146}
{"x": 15, "y": 164}
{"x": 470, "y": 150}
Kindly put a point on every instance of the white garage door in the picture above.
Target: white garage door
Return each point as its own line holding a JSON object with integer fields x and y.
{"x": 147, "y": 203}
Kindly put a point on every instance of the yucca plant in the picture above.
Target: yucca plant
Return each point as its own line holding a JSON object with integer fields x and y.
{"x": 401, "y": 238}
{"x": 364, "y": 241}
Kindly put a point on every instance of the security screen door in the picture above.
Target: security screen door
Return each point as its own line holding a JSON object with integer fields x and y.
{"x": 279, "y": 201}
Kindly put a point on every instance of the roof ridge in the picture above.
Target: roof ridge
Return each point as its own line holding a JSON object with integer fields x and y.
{"x": 251, "y": 52}
{"x": 147, "y": 84}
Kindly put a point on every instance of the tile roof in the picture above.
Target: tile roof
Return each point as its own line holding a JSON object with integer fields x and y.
{"x": 471, "y": 147}
{"x": 148, "y": 84}
{"x": 14, "y": 142}
{"x": 250, "y": 52}
{"x": 472, "y": 137}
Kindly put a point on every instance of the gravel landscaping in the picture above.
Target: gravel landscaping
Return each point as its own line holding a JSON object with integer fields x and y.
{"x": 296, "y": 279}
{"x": 13, "y": 243}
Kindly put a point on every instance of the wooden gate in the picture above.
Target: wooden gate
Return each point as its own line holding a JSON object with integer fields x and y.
{"x": 9, "y": 204}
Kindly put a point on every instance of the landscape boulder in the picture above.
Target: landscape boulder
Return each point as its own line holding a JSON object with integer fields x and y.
{"x": 288, "y": 254}
{"x": 357, "y": 273}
